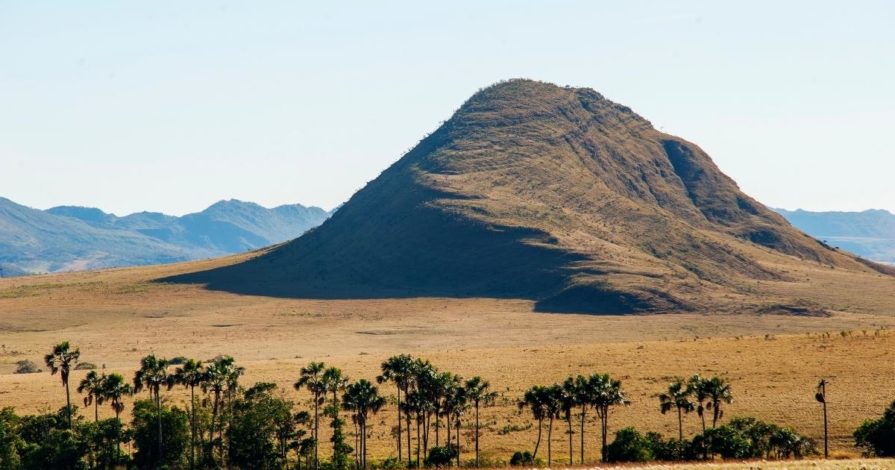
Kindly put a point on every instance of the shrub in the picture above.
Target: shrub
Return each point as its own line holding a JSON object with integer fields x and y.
{"x": 441, "y": 456}
{"x": 521, "y": 458}
{"x": 877, "y": 437}
{"x": 26, "y": 367}
{"x": 85, "y": 366}
{"x": 175, "y": 435}
{"x": 630, "y": 446}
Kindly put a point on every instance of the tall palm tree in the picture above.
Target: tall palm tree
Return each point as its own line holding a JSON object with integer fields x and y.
{"x": 311, "y": 378}
{"x": 698, "y": 387}
{"x": 456, "y": 404}
{"x": 584, "y": 399}
{"x": 605, "y": 393}
{"x": 553, "y": 407}
{"x": 114, "y": 388}
{"x": 398, "y": 369}
{"x": 718, "y": 392}
{"x": 677, "y": 398}
{"x": 414, "y": 407}
{"x": 61, "y": 360}
{"x": 535, "y": 399}
{"x": 424, "y": 382}
{"x": 191, "y": 374}
{"x": 479, "y": 393}
{"x": 219, "y": 376}
{"x": 91, "y": 388}
{"x": 363, "y": 398}
{"x": 153, "y": 375}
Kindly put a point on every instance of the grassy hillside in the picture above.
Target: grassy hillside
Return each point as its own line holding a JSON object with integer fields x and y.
{"x": 551, "y": 194}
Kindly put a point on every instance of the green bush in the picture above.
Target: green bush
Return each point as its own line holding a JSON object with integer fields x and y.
{"x": 630, "y": 446}
{"x": 521, "y": 458}
{"x": 175, "y": 435}
{"x": 441, "y": 456}
{"x": 877, "y": 437}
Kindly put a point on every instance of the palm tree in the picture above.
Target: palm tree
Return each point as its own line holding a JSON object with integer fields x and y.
{"x": 699, "y": 389}
{"x": 478, "y": 391}
{"x": 114, "y": 389}
{"x": 424, "y": 383}
{"x": 398, "y": 369}
{"x": 584, "y": 399}
{"x": 535, "y": 399}
{"x": 456, "y": 404}
{"x": 414, "y": 406}
{"x": 553, "y": 407}
{"x": 92, "y": 385}
{"x": 153, "y": 374}
{"x": 219, "y": 377}
{"x": 363, "y": 398}
{"x": 677, "y": 398}
{"x": 311, "y": 377}
{"x": 718, "y": 392}
{"x": 190, "y": 374}
{"x": 605, "y": 393}
{"x": 61, "y": 360}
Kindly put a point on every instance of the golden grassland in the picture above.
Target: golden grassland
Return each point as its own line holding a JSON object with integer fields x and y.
{"x": 773, "y": 361}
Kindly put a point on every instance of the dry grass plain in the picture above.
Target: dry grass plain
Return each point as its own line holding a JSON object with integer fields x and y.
{"x": 773, "y": 361}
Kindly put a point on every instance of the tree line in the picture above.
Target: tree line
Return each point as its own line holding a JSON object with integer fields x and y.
{"x": 229, "y": 425}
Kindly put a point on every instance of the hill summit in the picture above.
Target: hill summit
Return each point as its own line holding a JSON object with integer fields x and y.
{"x": 549, "y": 193}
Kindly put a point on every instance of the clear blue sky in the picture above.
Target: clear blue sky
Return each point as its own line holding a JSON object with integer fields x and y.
{"x": 172, "y": 105}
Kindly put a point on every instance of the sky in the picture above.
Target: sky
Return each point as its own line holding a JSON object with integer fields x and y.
{"x": 170, "y": 106}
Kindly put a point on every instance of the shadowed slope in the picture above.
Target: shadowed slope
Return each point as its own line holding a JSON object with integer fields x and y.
{"x": 540, "y": 192}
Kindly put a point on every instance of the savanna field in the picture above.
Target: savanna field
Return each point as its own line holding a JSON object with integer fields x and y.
{"x": 773, "y": 362}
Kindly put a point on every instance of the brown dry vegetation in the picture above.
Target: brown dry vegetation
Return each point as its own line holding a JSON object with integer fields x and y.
{"x": 773, "y": 361}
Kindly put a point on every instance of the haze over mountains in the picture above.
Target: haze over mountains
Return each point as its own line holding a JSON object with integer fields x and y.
{"x": 869, "y": 234}
{"x": 68, "y": 238}
{"x": 552, "y": 194}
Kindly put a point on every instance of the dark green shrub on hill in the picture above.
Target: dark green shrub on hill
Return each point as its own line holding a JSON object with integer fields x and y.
{"x": 630, "y": 446}
{"x": 175, "y": 435}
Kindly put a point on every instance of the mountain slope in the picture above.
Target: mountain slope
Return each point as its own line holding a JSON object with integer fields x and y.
{"x": 553, "y": 194}
{"x": 36, "y": 241}
{"x": 68, "y": 238}
{"x": 869, "y": 234}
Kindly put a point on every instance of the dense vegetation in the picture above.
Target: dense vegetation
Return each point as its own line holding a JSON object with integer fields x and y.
{"x": 226, "y": 424}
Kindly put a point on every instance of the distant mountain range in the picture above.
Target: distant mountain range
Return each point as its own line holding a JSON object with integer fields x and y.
{"x": 869, "y": 234}
{"x": 68, "y": 238}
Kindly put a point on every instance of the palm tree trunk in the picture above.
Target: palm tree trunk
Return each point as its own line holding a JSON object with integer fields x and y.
{"x": 680, "y": 433}
{"x": 476, "y": 433}
{"x": 68, "y": 403}
{"x": 534, "y": 455}
{"x": 192, "y": 427}
{"x": 364, "y": 441}
{"x": 569, "y": 422}
{"x": 158, "y": 419}
{"x": 399, "y": 423}
{"x": 458, "y": 443}
{"x": 316, "y": 431}
{"x": 95, "y": 411}
{"x": 604, "y": 431}
{"x": 409, "y": 447}
{"x": 550, "y": 442}
{"x": 583, "y": 413}
{"x": 117, "y": 439}
{"x": 418, "y": 425}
